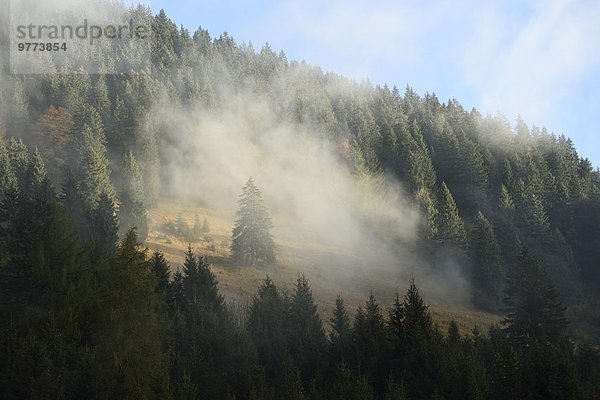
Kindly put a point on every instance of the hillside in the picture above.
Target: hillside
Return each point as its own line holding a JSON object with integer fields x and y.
{"x": 239, "y": 282}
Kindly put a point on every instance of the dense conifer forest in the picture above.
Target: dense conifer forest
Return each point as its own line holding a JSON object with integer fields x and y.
{"x": 86, "y": 311}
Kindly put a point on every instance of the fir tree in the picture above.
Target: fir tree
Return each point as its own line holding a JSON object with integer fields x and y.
{"x": 340, "y": 335}
{"x": 75, "y": 206}
{"x": 19, "y": 158}
{"x": 126, "y": 328}
{"x": 182, "y": 227}
{"x": 251, "y": 238}
{"x": 485, "y": 273}
{"x": 267, "y": 319}
{"x": 199, "y": 283}
{"x": 430, "y": 211}
{"x": 132, "y": 212}
{"x": 104, "y": 226}
{"x": 417, "y": 321}
{"x": 530, "y": 211}
{"x": 506, "y": 201}
{"x": 370, "y": 341}
{"x": 534, "y": 311}
{"x": 205, "y": 227}
{"x": 418, "y": 345}
{"x": 94, "y": 176}
{"x": 450, "y": 226}
{"x": 7, "y": 176}
{"x": 161, "y": 270}
{"x": 197, "y": 229}
{"x": 307, "y": 336}
{"x": 206, "y": 342}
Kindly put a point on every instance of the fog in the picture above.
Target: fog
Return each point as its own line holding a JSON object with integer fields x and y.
{"x": 324, "y": 213}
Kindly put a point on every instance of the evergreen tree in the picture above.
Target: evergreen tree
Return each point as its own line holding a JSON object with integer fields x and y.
{"x": 430, "y": 211}
{"x": 182, "y": 227}
{"x": 417, "y": 322}
{"x": 416, "y": 344}
{"x": 88, "y": 194}
{"x": 20, "y": 159}
{"x": 267, "y": 320}
{"x": 530, "y": 211}
{"x": 395, "y": 390}
{"x": 100, "y": 98}
{"x": 534, "y": 311}
{"x": 130, "y": 358}
{"x": 165, "y": 43}
{"x": 199, "y": 283}
{"x": 251, "y": 237}
{"x": 205, "y": 227}
{"x": 343, "y": 382}
{"x": 506, "y": 201}
{"x": 370, "y": 341}
{"x": 307, "y": 336}
{"x": 450, "y": 226}
{"x": 207, "y": 347}
{"x": 7, "y": 176}
{"x": 197, "y": 229}
{"x": 75, "y": 206}
{"x": 132, "y": 212}
{"x": 104, "y": 226}
{"x": 40, "y": 309}
{"x": 485, "y": 273}
{"x": 54, "y": 133}
{"x": 340, "y": 335}
{"x": 161, "y": 270}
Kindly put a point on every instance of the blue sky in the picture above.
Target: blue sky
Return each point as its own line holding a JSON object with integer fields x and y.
{"x": 539, "y": 59}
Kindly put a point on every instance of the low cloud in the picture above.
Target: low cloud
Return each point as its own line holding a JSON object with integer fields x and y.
{"x": 324, "y": 216}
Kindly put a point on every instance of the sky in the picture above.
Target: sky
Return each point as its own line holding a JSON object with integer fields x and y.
{"x": 537, "y": 59}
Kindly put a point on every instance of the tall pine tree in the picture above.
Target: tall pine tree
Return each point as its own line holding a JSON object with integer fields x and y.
{"x": 251, "y": 238}
{"x": 534, "y": 311}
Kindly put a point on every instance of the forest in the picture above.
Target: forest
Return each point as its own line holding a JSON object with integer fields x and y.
{"x": 87, "y": 311}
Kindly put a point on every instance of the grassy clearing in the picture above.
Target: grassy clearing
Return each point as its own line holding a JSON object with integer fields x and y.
{"x": 329, "y": 271}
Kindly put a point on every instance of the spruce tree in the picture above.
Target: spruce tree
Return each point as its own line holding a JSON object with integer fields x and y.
{"x": 207, "y": 345}
{"x": 182, "y": 227}
{"x": 340, "y": 335}
{"x": 7, "y": 176}
{"x": 205, "y": 227}
{"x": 485, "y": 255}
{"x": 267, "y": 320}
{"x": 417, "y": 345}
{"x": 19, "y": 158}
{"x": 132, "y": 212}
{"x": 161, "y": 270}
{"x": 197, "y": 229}
{"x": 199, "y": 283}
{"x": 417, "y": 321}
{"x": 530, "y": 212}
{"x": 428, "y": 208}
{"x": 534, "y": 312}
{"x": 506, "y": 201}
{"x": 450, "y": 226}
{"x": 94, "y": 176}
{"x": 370, "y": 341}
{"x": 104, "y": 226}
{"x": 130, "y": 357}
{"x": 307, "y": 336}
{"x": 251, "y": 237}
{"x": 75, "y": 206}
